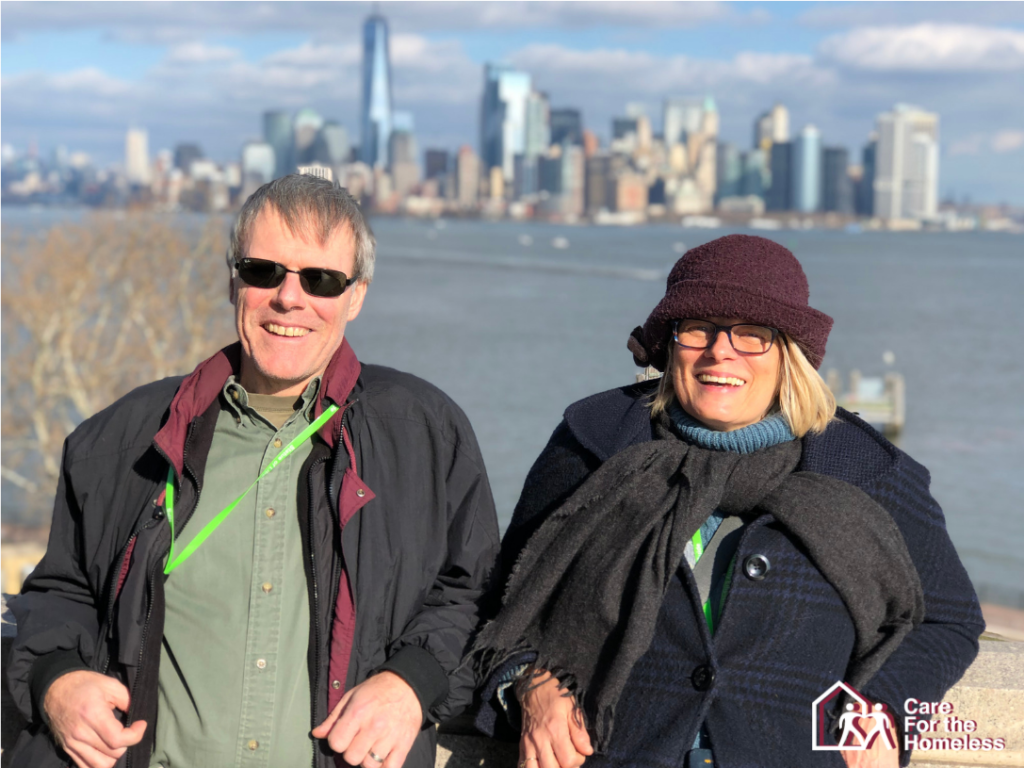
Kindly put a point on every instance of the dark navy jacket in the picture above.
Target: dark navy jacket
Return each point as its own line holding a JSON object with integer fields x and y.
{"x": 781, "y": 641}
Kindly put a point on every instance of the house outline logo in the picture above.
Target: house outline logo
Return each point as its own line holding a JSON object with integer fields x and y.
{"x": 859, "y": 707}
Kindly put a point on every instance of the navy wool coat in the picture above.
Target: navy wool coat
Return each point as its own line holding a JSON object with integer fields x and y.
{"x": 782, "y": 640}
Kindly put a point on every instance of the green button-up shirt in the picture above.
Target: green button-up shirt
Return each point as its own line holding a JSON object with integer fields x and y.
{"x": 234, "y": 685}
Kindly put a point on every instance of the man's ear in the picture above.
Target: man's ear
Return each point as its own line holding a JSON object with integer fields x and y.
{"x": 231, "y": 287}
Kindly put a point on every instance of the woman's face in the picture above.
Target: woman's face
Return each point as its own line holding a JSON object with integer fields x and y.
{"x": 747, "y": 395}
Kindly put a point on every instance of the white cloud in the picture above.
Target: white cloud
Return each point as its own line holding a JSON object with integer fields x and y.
{"x": 926, "y": 48}
{"x": 1007, "y": 141}
{"x": 970, "y": 145}
{"x": 88, "y": 81}
{"x": 201, "y": 53}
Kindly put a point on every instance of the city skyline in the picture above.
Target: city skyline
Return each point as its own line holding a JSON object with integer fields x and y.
{"x": 437, "y": 58}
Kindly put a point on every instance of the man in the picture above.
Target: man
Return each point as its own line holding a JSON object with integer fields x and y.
{"x": 318, "y": 618}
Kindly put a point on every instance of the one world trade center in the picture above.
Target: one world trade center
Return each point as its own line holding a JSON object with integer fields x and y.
{"x": 376, "y": 108}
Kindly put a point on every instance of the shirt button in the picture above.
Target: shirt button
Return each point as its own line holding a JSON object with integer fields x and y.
{"x": 261, "y": 663}
{"x": 360, "y": 493}
{"x": 234, "y": 394}
{"x": 277, "y": 442}
{"x": 336, "y": 684}
{"x": 267, "y": 586}
{"x": 756, "y": 567}
{"x": 270, "y": 512}
{"x": 253, "y": 744}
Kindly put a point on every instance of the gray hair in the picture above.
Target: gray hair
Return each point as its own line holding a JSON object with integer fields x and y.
{"x": 312, "y": 208}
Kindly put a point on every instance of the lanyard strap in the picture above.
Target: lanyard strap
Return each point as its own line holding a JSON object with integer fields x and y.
{"x": 172, "y": 561}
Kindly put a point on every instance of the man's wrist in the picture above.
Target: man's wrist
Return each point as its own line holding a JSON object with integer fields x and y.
{"x": 45, "y": 670}
{"x": 422, "y": 672}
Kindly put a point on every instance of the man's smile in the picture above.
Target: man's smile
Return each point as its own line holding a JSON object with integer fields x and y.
{"x": 285, "y": 330}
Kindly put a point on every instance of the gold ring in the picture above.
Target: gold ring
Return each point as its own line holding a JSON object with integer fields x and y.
{"x": 375, "y": 757}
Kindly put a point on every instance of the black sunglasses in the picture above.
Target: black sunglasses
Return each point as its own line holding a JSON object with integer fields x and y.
{"x": 316, "y": 281}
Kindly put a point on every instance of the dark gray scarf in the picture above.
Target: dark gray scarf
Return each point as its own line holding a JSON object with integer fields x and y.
{"x": 587, "y": 588}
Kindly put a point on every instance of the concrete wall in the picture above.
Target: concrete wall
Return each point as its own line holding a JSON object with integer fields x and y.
{"x": 990, "y": 693}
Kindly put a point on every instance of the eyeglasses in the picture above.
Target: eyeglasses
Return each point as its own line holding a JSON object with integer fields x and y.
{"x": 316, "y": 281}
{"x": 747, "y": 339}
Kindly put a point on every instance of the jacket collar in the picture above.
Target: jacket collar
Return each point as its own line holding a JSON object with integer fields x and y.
{"x": 607, "y": 422}
{"x": 203, "y": 386}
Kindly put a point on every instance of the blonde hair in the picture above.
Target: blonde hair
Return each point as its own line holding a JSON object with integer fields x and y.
{"x": 802, "y": 396}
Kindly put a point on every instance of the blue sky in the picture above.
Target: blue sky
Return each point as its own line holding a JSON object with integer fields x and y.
{"x": 79, "y": 73}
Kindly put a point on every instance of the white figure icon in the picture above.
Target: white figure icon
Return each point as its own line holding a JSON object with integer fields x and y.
{"x": 848, "y": 721}
{"x": 880, "y": 727}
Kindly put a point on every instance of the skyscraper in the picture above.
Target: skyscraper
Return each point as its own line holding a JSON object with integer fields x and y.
{"x": 770, "y": 127}
{"x": 184, "y": 154}
{"x": 437, "y": 163}
{"x": 681, "y": 117}
{"x": 503, "y": 117}
{"x": 136, "y": 156}
{"x": 538, "y": 124}
{"x": 331, "y": 146}
{"x": 728, "y": 172}
{"x": 308, "y": 123}
{"x": 277, "y": 132}
{"x": 866, "y": 185}
{"x": 907, "y": 164}
{"x": 566, "y": 126}
{"x": 807, "y": 170}
{"x": 376, "y": 107}
{"x": 836, "y": 185}
{"x": 780, "y": 194}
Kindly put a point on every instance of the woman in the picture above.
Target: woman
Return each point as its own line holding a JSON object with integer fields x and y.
{"x": 694, "y": 561}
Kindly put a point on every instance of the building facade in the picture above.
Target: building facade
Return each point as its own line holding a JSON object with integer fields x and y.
{"x": 906, "y": 179}
{"x": 376, "y": 115}
{"x": 503, "y": 117}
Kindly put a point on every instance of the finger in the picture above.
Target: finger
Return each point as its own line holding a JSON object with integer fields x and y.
{"x": 371, "y": 762}
{"x": 565, "y": 752}
{"x": 396, "y": 757}
{"x": 346, "y": 729}
{"x": 578, "y": 734}
{"x": 321, "y": 731}
{"x": 357, "y": 751}
{"x": 545, "y": 757}
{"x": 112, "y": 735}
{"x": 87, "y": 757}
{"x": 116, "y": 694}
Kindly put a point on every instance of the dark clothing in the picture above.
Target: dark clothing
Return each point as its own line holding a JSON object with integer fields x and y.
{"x": 783, "y": 639}
{"x": 399, "y": 530}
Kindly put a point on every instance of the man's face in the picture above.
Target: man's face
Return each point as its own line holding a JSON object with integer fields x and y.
{"x": 288, "y": 337}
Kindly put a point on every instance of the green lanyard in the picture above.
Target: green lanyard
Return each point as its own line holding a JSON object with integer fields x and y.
{"x": 172, "y": 561}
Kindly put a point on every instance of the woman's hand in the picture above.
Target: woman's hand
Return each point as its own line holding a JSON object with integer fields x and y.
{"x": 879, "y": 755}
{"x": 553, "y": 732}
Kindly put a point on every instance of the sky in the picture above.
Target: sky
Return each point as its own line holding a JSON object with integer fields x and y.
{"x": 78, "y": 74}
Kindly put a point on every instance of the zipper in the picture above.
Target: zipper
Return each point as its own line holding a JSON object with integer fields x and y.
{"x": 314, "y": 618}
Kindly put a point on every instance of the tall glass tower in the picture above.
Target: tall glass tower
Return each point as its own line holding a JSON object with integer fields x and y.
{"x": 376, "y": 111}
{"x": 278, "y": 133}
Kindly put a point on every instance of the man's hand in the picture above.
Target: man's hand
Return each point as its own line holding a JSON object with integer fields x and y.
{"x": 81, "y": 707}
{"x": 553, "y": 732}
{"x": 879, "y": 755}
{"x": 381, "y": 716}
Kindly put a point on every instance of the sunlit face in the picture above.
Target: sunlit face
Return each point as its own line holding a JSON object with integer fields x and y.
{"x": 747, "y": 392}
{"x": 288, "y": 337}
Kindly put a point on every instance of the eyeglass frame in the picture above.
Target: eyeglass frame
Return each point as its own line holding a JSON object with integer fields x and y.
{"x": 338, "y": 275}
{"x": 728, "y": 333}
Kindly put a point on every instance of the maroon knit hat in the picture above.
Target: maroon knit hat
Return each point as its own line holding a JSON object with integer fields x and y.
{"x": 735, "y": 276}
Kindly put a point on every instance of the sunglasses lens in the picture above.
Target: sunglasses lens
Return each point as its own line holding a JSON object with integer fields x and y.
{"x": 320, "y": 282}
{"x": 260, "y": 273}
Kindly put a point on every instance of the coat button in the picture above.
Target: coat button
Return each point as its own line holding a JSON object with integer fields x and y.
{"x": 703, "y": 678}
{"x": 360, "y": 493}
{"x": 756, "y": 567}
{"x": 158, "y": 514}
{"x": 336, "y": 684}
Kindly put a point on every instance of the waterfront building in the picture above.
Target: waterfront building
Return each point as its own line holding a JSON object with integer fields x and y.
{"x": 136, "y": 157}
{"x": 437, "y": 162}
{"x": 405, "y": 167}
{"x": 331, "y": 147}
{"x": 755, "y": 176}
{"x": 527, "y": 176}
{"x": 503, "y": 117}
{"x": 598, "y": 173}
{"x": 906, "y": 182}
{"x": 278, "y": 133}
{"x": 566, "y": 126}
{"x": 184, "y": 154}
{"x": 780, "y": 193}
{"x": 623, "y": 127}
{"x": 538, "y": 124}
{"x": 467, "y": 177}
{"x": 308, "y": 123}
{"x": 258, "y": 166}
{"x": 728, "y": 171}
{"x": 680, "y": 117}
{"x": 866, "y": 185}
{"x": 807, "y": 170}
{"x": 591, "y": 144}
{"x": 376, "y": 111}
{"x": 836, "y": 185}
{"x": 771, "y": 126}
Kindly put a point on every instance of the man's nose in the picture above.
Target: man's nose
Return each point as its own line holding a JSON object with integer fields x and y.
{"x": 289, "y": 293}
